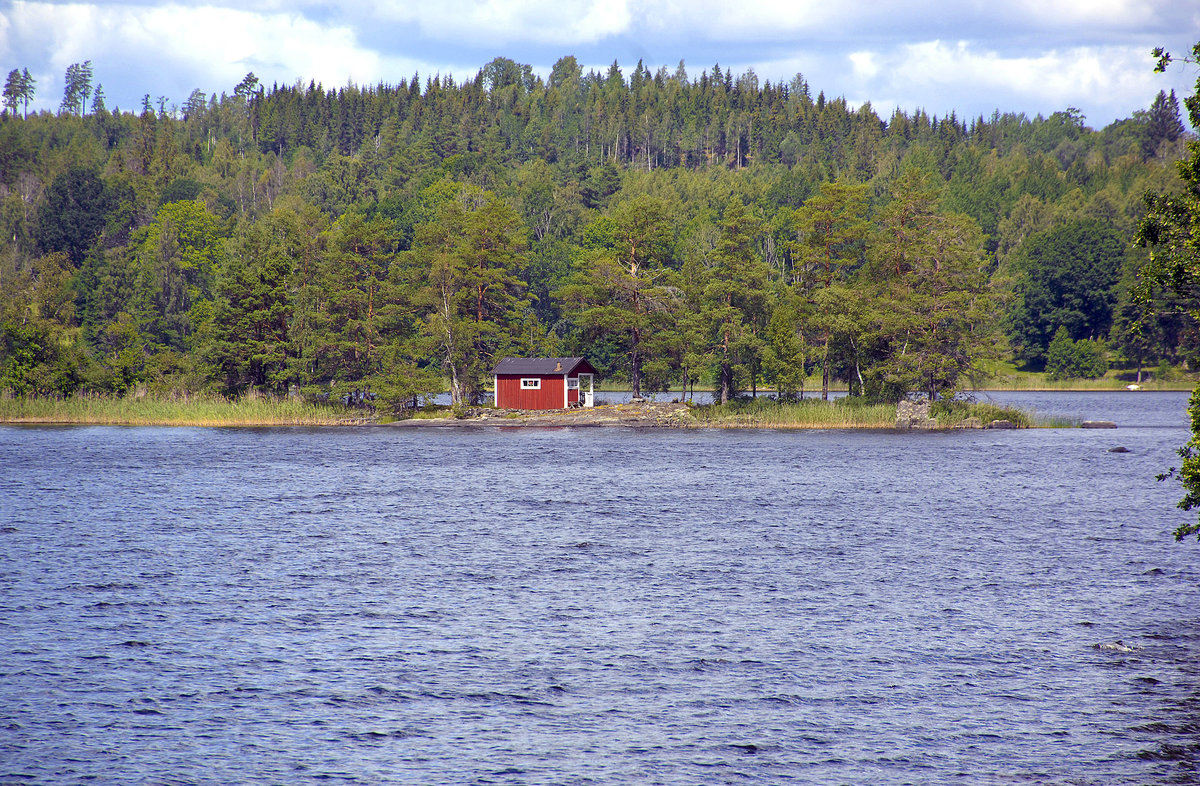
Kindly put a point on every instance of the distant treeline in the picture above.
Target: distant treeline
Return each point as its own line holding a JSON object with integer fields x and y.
{"x": 672, "y": 227}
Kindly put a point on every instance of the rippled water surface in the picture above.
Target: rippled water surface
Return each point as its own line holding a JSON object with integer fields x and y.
{"x": 598, "y": 605}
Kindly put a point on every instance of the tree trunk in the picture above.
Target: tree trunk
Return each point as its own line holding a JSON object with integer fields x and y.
{"x": 456, "y": 391}
{"x": 726, "y": 370}
{"x": 825, "y": 371}
{"x": 635, "y": 363}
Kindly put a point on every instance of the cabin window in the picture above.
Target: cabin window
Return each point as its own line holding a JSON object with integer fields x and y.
{"x": 531, "y": 384}
{"x": 572, "y": 384}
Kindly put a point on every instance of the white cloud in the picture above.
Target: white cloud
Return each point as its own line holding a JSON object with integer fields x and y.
{"x": 1106, "y": 83}
{"x": 207, "y": 46}
{"x": 214, "y": 40}
{"x": 936, "y": 54}
{"x": 1077, "y": 76}
{"x": 563, "y": 22}
{"x": 230, "y": 43}
{"x": 865, "y": 65}
{"x": 723, "y": 20}
{"x": 1125, "y": 14}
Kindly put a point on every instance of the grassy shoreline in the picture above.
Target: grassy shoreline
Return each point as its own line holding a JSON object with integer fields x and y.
{"x": 806, "y": 414}
{"x": 174, "y": 410}
{"x": 215, "y": 411}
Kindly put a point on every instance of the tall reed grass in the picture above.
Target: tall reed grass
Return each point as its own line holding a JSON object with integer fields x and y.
{"x": 809, "y": 413}
{"x": 953, "y": 414}
{"x": 180, "y": 409}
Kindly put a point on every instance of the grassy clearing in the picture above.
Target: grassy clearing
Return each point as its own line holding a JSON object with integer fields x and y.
{"x": 171, "y": 410}
{"x": 1005, "y": 376}
{"x": 809, "y": 413}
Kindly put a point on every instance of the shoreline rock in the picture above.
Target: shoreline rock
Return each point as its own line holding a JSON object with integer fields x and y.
{"x": 914, "y": 415}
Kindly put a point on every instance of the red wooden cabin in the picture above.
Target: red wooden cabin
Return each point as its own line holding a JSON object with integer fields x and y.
{"x": 544, "y": 383}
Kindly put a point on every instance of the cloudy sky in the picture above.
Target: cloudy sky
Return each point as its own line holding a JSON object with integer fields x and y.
{"x": 970, "y": 56}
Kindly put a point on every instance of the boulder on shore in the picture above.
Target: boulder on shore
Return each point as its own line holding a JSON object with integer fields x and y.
{"x": 914, "y": 414}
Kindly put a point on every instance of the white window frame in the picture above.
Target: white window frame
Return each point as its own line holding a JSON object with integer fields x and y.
{"x": 531, "y": 383}
{"x": 573, "y": 384}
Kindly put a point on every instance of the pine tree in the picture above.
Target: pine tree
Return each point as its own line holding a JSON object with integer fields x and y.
{"x": 736, "y": 300}
{"x": 18, "y": 90}
{"x": 618, "y": 294}
{"x": 472, "y": 261}
{"x": 77, "y": 88}
{"x": 830, "y": 229}
{"x": 1163, "y": 122}
{"x": 934, "y": 288}
{"x": 12, "y": 92}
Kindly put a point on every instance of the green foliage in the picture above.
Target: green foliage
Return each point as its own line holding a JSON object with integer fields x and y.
{"x": 786, "y": 355}
{"x": 251, "y": 343}
{"x": 1060, "y": 355}
{"x": 735, "y": 301}
{"x": 121, "y": 357}
{"x": 1189, "y": 471}
{"x": 1066, "y": 277}
{"x": 471, "y": 260}
{"x": 1091, "y": 359}
{"x": 1067, "y": 359}
{"x": 941, "y": 319}
{"x": 1163, "y": 123}
{"x": 72, "y": 214}
{"x": 618, "y": 293}
{"x": 830, "y": 231}
{"x": 178, "y": 257}
{"x": 35, "y": 360}
{"x": 1171, "y": 229}
{"x": 181, "y": 189}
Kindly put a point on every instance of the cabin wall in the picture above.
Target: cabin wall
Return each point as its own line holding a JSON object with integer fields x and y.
{"x": 510, "y": 394}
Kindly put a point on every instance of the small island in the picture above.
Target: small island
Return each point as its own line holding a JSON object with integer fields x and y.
{"x": 215, "y": 411}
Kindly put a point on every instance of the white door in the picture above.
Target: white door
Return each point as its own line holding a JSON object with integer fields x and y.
{"x": 589, "y": 396}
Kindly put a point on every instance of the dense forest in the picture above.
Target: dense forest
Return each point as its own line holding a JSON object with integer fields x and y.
{"x": 390, "y": 241}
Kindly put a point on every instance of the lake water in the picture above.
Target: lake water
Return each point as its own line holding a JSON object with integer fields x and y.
{"x": 375, "y": 605}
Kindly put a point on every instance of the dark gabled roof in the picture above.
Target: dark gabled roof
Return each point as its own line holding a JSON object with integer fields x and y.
{"x": 543, "y": 366}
